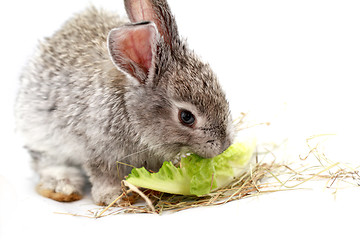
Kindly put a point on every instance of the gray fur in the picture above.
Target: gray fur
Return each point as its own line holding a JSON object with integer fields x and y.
{"x": 76, "y": 109}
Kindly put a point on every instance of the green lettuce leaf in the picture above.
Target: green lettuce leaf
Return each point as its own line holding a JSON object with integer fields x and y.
{"x": 196, "y": 175}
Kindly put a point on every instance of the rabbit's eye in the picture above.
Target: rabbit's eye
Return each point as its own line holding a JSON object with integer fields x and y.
{"x": 186, "y": 118}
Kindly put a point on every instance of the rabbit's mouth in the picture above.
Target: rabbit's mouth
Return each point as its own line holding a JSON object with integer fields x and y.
{"x": 210, "y": 148}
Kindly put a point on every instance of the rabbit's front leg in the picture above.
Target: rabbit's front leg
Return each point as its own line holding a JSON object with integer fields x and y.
{"x": 106, "y": 182}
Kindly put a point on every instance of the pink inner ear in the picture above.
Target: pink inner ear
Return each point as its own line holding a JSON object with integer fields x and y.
{"x": 137, "y": 47}
{"x": 132, "y": 49}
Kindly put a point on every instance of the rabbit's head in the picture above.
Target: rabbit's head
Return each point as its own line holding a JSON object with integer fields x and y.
{"x": 173, "y": 99}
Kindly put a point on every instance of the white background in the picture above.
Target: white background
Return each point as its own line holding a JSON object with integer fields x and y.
{"x": 295, "y": 64}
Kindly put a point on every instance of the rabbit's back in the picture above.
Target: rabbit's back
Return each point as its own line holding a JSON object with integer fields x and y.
{"x": 66, "y": 94}
{"x": 82, "y": 41}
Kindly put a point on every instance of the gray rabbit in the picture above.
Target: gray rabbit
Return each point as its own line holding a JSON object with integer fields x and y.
{"x": 101, "y": 91}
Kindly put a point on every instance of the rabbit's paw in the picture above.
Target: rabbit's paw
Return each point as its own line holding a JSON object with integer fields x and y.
{"x": 58, "y": 196}
{"x": 61, "y": 183}
{"x": 105, "y": 195}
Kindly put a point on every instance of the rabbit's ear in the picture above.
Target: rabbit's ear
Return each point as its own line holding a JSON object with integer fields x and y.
{"x": 132, "y": 49}
{"x": 157, "y": 11}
